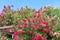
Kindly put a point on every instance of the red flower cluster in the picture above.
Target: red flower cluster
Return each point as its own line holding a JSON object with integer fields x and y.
{"x": 18, "y": 32}
{"x": 39, "y": 37}
{"x": 37, "y": 14}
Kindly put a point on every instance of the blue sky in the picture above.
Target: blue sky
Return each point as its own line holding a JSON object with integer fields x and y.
{"x": 30, "y": 3}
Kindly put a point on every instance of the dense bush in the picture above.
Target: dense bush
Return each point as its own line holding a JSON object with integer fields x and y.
{"x": 30, "y": 24}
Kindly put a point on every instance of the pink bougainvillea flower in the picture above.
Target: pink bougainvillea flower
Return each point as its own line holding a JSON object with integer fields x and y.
{"x": 24, "y": 26}
{"x": 16, "y": 37}
{"x": 39, "y": 37}
{"x": 45, "y": 22}
{"x": 37, "y": 14}
{"x": 19, "y": 26}
{"x": 42, "y": 30}
{"x": 33, "y": 20}
{"x": 17, "y": 21}
{"x": 18, "y": 32}
{"x": 38, "y": 11}
{"x": 40, "y": 25}
{"x": 35, "y": 38}
{"x": 34, "y": 15}
{"x": 4, "y": 7}
{"x": 32, "y": 27}
{"x": 15, "y": 33}
{"x": 44, "y": 10}
{"x": 24, "y": 23}
{"x": 3, "y": 38}
{"x": 47, "y": 31}
{"x": 50, "y": 30}
{"x": 2, "y": 16}
{"x": 44, "y": 38}
{"x": 28, "y": 19}
{"x": 7, "y": 30}
{"x": 4, "y": 11}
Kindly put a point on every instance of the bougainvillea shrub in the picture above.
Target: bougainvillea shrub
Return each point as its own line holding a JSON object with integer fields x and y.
{"x": 30, "y": 24}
